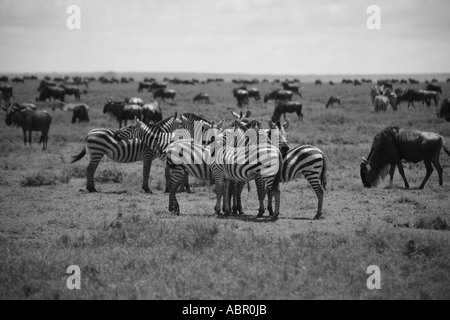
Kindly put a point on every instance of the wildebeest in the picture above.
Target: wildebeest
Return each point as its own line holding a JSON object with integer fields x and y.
{"x": 18, "y": 79}
{"x": 241, "y": 96}
{"x": 413, "y": 81}
{"x": 134, "y": 100}
{"x": 394, "y": 144}
{"x": 254, "y": 93}
{"x": 55, "y": 93}
{"x": 331, "y": 83}
{"x": 122, "y": 111}
{"x": 433, "y": 87}
{"x": 277, "y": 95}
{"x": 3, "y": 79}
{"x": 202, "y": 97}
{"x": 164, "y": 94}
{"x": 144, "y": 85}
{"x": 356, "y": 82}
{"x": 284, "y": 107}
{"x": 80, "y": 113}
{"x": 7, "y": 91}
{"x": 151, "y": 112}
{"x": 30, "y": 120}
{"x": 71, "y": 90}
{"x": 333, "y": 100}
{"x": 318, "y": 82}
{"x": 423, "y": 96}
{"x": 291, "y": 87}
{"x": 428, "y": 96}
{"x": 444, "y": 112}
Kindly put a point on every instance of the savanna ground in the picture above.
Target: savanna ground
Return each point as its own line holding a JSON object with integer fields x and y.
{"x": 128, "y": 245}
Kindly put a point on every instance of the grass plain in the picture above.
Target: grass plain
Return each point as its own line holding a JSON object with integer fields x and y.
{"x": 128, "y": 246}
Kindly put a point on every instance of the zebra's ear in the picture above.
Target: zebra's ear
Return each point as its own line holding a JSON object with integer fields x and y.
{"x": 206, "y": 125}
{"x": 235, "y": 114}
{"x": 247, "y": 114}
{"x": 286, "y": 124}
{"x": 220, "y": 124}
{"x": 271, "y": 124}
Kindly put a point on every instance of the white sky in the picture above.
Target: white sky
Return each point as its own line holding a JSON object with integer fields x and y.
{"x": 232, "y": 36}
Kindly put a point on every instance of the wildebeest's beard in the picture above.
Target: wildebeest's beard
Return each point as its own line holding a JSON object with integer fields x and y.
{"x": 363, "y": 173}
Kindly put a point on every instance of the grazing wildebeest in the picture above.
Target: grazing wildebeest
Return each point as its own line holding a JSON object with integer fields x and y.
{"x": 164, "y": 94}
{"x": 3, "y": 79}
{"x": 56, "y": 93}
{"x": 333, "y": 100}
{"x": 122, "y": 111}
{"x": 254, "y": 93}
{"x": 356, "y": 82}
{"x": 80, "y": 112}
{"x": 202, "y": 97}
{"x": 144, "y": 85}
{"x": 413, "y": 81}
{"x": 151, "y": 112}
{"x": 242, "y": 98}
{"x": 30, "y": 120}
{"x": 331, "y": 83}
{"x": 394, "y": 144}
{"x": 291, "y": 87}
{"x": 423, "y": 96}
{"x": 71, "y": 90}
{"x": 433, "y": 87}
{"x": 428, "y": 96}
{"x": 318, "y": 82}
{"x": 18, "y": 79}
{"x": 7, "y": 91}
{"x": 284, "y": 107}
{"x": 134, "y": 100}
{"x": 444, "y": 112}
{"x": 46, "y": 83}
{"x": 278, "y": 95}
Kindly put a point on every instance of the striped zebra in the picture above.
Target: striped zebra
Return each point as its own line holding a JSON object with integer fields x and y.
{"x": 310, "y": 162}
{"x": 120, "y": 146}
{"x": 259, "y": 159}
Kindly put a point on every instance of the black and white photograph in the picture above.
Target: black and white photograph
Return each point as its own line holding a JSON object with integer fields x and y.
{"x": 224, "y": 154}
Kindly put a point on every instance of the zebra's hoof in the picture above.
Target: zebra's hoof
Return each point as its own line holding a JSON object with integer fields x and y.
{"x": 189, "y": 191}
{"x": 147, "y": 190}
{"x": 317, "y": 216}
{"x": 274, "y": 217}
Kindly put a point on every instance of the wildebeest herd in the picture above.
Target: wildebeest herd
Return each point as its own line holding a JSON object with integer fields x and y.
{"x": 151, "y": 136}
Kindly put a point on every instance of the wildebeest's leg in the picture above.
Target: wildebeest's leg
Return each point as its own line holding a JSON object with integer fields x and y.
{"x": 438, "y": 167}
{"x": 29, "y": 137}
{"x": 429, "y": 168}
{"x": 93, "y": 164}
{"x": 24, "y": 137}
{"x": 402, "y": 173}
{"x": 391, "y": 175}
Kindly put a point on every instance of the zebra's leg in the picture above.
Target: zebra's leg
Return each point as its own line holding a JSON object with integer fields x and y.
{"x": 260, "y": 188}
{"x": 168, "y": 183}
{"x": 276, "y": 192}
{"x": 186, "y": 183}
{"x": 219, "y": 192}
{"x": 315, "y": 184}
{"x": 147, "y": 165}
{"x": 239, "y": 188}
{"x": 231, "y": 196}
{"x": 269, "y": 201}
{"x": 93, "y": 164}
{"x": 226, "y": 188}
{"x": 176, "y": 177}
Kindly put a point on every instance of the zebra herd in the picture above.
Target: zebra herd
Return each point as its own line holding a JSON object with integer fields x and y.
{"x": 228, "y": 154}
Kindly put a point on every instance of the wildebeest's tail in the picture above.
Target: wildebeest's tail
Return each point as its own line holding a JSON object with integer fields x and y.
{"x": 447, "y": 151}
{"x": 323, "y": 175}
{"x": 79, "y": 156}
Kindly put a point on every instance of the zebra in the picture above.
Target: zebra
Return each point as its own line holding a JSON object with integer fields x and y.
{"x": 120, "y": 146}
{"x": 259, "y": 159}
{"x": 308, "y": 161}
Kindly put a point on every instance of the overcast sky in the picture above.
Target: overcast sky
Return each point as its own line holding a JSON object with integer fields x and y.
{"x": 233, "y": 36}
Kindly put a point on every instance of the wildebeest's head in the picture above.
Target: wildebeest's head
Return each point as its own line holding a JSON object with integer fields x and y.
{"x": 364, "y": 172}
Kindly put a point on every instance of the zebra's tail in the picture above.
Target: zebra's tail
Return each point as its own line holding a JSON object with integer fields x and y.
{"x": 79, "y": 156}
{"x": 323, "y": 175}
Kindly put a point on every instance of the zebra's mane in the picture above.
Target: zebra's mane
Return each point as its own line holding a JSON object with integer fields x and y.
{"x": 377, "y": 159}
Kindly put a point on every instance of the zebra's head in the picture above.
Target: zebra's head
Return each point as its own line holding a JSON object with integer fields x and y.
{"x": 278, "y": 135}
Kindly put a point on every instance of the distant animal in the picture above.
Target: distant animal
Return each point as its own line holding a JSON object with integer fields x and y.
{"x": 71, "y": 90}
{"x": 394, "y": 144}
{"x": 202, "y": 97}
{"x": 151, "y": 112}
{"x": 433, "y": 87}
{"x": 444, "y": 111}
{"x": 30, "y": 120}
{"x": 144, "y": 85}
{"x": 7, "y": 91}
{"x": 122, "y": 111}
{"x": 3, "y": 79}
{"x": 55, "y": 93}
{"x": 292, "y": 87}
{"x": 318, "y": 82}
{"x": 428, "y": 96}
{"x": 333, "y": 100}
{"x": 46, "y": 83}
{"x": 413, "y": 81}
{"x": 18, "y": 79}
{"x": 331, "y": 83}
{"x": 80, "y": 113}
{"x": 356, "y": 82}
{"x": 241, "y": 96}
{"x": 284, "y": 107}
{"x": 278, "y": 95}
{"x": 381, "y": 103}
{"x": 254, "y": 93}
{"x": 164, "y": 94}
{"x": 423, "y": 96}
{"x": 134, "y": 100}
